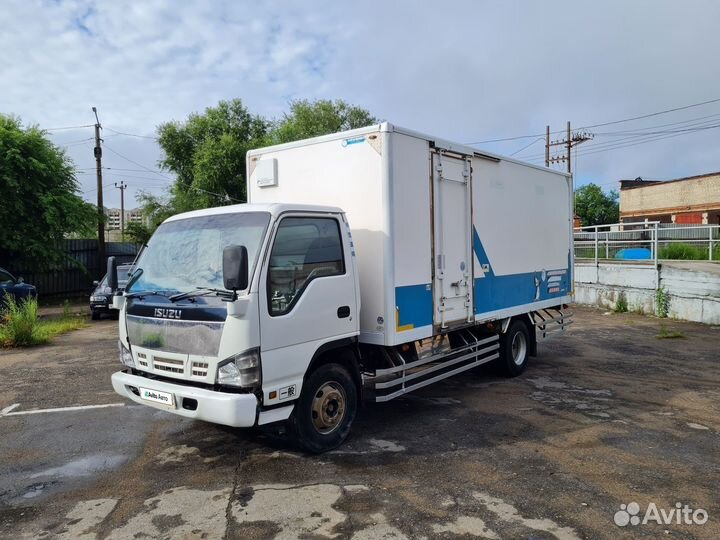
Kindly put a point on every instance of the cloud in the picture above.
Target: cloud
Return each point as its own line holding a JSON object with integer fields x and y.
{"x": 464, "y": 70}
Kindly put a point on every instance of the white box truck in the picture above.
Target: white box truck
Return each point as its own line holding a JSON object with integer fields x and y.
{"x": 367, "y": 264}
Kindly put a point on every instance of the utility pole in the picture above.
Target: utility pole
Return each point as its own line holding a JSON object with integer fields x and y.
{"x": 122, "y": 187}
{"x": 569, "y": 142}
{"x": 100, "y": 207}
{"x": 547, "y": 146}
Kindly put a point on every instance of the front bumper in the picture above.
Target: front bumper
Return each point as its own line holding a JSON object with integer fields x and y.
{"x": 235, "y": 410}
{"x": 99, "y": 306}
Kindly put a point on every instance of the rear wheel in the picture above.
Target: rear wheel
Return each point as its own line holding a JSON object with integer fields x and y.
{"x": 326, "y": 409}
{"x": 514, "y": 349}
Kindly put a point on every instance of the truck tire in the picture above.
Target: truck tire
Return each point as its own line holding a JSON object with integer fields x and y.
{"x": 94, "y": 315}
{"x": 326, "y": 409}
{"x": 514, "y": 349}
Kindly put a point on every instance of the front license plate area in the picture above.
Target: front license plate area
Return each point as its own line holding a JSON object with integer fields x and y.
{"x": 156, "y": 396}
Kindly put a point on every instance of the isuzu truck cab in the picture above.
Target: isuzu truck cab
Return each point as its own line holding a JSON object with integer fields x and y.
{"x": 368, "y": 264}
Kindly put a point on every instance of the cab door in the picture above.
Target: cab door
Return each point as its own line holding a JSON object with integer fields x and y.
{"x": 307, "y": 298}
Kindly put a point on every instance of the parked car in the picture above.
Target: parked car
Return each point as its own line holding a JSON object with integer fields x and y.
{"x": 101, "y": 297}
{"x": 9, "y": 285}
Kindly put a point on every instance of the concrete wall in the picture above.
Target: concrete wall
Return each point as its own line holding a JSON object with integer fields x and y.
{"x": 693, "y": 287}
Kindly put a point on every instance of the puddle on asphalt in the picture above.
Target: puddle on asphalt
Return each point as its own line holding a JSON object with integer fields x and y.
{"x": 84, "y": 466}
{"x": 35, "y": 490}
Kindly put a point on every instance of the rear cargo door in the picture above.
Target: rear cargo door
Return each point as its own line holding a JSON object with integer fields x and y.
{"x": 452, "y": 241}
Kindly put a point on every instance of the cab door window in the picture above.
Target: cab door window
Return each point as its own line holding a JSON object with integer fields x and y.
{"x": 305, "y": 248}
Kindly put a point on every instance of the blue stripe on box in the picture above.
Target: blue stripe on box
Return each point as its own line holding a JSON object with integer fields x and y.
{"x": 414, "y": 306}
{"x": 499, "y": 292}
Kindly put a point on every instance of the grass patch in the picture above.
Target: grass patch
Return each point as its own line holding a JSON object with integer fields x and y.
{"x": 686, "y": 252}
{"x": 21, "y": 326}
{"x": 669, "y": 334}
{"x": 585, "y": 253}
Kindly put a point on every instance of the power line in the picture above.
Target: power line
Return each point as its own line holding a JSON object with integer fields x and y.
{"x": 67, "y": 143}
{"x": 653, "y": 114}
{"x": 131, "y": 134}
{"x": 697, "y": 126}
{"x": 690, "y": 121}
{"x": 135, "y": 162}
{"x": 526, "y": 146}
{"x": 67, "y": 127}
{"x": 95, "y": 188}
{"x": 657, "y": 138}
{"x": 603, "y": 123}
{"x": 158, "y": 181}
{"x": 222, "y": 197}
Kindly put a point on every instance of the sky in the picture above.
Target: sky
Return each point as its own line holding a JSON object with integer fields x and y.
{"x": 464, "y": 70}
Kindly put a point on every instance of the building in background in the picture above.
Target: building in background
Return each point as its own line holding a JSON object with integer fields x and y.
{"x": 693, "y": 200}
{"x": 131, "y": 216}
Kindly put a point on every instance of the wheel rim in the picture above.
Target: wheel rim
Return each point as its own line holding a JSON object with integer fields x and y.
{"x": 328, "y": 407}
{"x": 519, "y": 348}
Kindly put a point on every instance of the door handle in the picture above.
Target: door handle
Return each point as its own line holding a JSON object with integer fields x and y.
{"x": 343, "y": 312}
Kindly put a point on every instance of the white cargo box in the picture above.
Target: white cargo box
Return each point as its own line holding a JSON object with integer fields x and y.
{"x": 444, "y": 235}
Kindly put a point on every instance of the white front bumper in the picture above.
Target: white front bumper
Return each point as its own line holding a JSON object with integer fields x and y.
{"x": 236, "y": 410}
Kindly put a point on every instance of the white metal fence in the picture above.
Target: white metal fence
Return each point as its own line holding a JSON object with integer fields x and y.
{"x": 647, "y": 241}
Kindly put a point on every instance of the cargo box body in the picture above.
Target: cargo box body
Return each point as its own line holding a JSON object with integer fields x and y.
{"x": 444, "y": 235}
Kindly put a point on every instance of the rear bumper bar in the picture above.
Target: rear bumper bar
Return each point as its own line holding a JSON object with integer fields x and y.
{"x": 236, "y": 410}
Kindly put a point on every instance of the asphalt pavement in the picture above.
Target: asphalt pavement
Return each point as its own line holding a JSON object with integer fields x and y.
{"x": 607, "y": 415}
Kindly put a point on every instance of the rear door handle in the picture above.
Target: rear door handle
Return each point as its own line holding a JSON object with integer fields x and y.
{"x": 343, "y": 312}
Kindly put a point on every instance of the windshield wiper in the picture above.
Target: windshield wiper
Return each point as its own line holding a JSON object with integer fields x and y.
{"x": 203, "y": 291}
{"x": 136, "y": 294}
{"x": 133, "y": 277}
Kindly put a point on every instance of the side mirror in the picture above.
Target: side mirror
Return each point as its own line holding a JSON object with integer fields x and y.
{"x": 112, "y": 277}
{"x": 96, "y": 283}
{"x": 21, "y": 280}
{"x": 235, "y": 268}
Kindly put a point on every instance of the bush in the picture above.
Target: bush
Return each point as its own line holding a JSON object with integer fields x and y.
{"x": 621, "y": 305}
{"x": 662, "y": 302}
{"x": 20, "y": 325}
{"x": 20, "y": 322}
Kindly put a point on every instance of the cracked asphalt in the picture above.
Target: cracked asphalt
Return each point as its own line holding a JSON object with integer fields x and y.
{"x": 606, "y": 415}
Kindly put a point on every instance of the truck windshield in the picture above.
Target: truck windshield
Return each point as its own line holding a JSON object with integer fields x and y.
{"x": 185, "y": 254}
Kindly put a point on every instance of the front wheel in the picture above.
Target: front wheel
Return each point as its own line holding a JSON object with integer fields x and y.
{"x": 514, "y": 349}
{"x": 326, "y": 409}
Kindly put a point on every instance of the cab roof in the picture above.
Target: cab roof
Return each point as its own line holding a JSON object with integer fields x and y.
{"x": 275, "y": 209}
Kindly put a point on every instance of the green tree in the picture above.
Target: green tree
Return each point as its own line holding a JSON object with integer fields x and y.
{"x": 595, "y": 207}
{"x": 138, "y": 232}
{"x": 314, "y": 118}
{"x": 39, "y": 203}
{"x": 207, "y": 154}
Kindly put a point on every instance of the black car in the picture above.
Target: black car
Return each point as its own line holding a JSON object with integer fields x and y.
{"x": 15, "y": 287}
{"x": 101, "y": 297}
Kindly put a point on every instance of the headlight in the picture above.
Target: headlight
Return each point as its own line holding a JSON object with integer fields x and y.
{"x": 240, "y": 370}
{"x": 125, "y": 355}
{"x": 97, "y": 298}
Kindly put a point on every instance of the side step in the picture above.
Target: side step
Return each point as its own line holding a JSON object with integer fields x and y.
{"x": 551, "y": 322}
{"x": 436, "y": 361}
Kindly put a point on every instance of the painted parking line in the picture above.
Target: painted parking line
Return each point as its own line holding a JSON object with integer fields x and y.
{"x": 6, "y": 410}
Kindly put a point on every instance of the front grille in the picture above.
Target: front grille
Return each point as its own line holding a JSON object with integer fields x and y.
{"x": 142, "y": 359}
{"x": 168, "y": 364}
{"x": 200, "y": 369}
